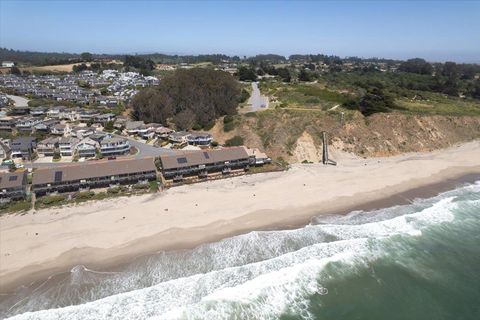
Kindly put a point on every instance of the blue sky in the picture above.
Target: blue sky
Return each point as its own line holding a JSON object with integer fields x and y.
{"x": 435, "y": 30}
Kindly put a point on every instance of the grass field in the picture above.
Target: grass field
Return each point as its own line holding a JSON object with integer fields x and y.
{"x": 434, "y": 103}
{"x": 305, "y": 96}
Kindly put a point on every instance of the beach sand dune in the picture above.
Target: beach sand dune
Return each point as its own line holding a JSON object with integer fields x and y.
{"x": 102, "y": 234}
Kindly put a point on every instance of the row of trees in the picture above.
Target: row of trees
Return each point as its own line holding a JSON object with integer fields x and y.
{"x": 188, "y": 97}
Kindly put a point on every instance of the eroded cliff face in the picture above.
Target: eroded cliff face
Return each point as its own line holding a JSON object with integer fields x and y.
{"x": 297, "y": 136}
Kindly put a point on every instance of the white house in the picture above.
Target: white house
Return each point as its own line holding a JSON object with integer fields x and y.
{"x": 114, "y": 146}
{"x": 67, "y": 145}
{"x": 87, "y": 148}
{"x": 8, "y": 64}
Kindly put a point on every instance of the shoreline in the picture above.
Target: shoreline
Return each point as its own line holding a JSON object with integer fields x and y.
{"x": 180, "y": 234}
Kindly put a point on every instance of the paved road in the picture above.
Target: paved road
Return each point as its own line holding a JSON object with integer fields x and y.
{"x": 146, "y": 150}
{"x": 19, "y": 101}
{"x": 256, "y": 100}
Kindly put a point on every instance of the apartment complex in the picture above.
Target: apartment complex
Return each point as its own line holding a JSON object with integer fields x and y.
{"x": 87, "y": 175}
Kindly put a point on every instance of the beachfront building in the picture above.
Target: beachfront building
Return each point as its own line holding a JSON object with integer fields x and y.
{"x": 202, "y": 163}
{"x": 92, "y": 174}
{"x": 13, "y": 185}
{"x": 87, "y": 148}
{"x": 114, "y": 146}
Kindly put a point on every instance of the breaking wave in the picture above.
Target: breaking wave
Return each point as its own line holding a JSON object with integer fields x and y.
{"x": 259, "y": 275}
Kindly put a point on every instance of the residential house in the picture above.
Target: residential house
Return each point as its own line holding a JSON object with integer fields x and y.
{"x": 47, "y": 147}
{"x": 199, "y": 139}
{"x": 87, "y": 148}
{"x": 46, "y": 125}
{"x": 132, "y": 127}
{"x": 88, "y": 115}
{"x": 202, "y": 163}
{"x": 146, "y": 132}
{"x": 114, "y": 146}
{"x": 55, "y": 113}
{"x": 163, "y": 132}
{"x": 104, "y": 117}
{"x": 92, "y": 174}
{"x": 82, "y": 132}
{"x": 99, "y": 136}
{"x": 26, "y": 124}
{"x": 8, "y": 64}
{"x": 70, "y": 114}
{"x": 179, "y": 137}
{"x": 119, "y": 123}
{"x": 67, "y": 145}
{"x": 23, "y": 147}
{"x": 60, "y": 129}
{"x": 4, "y": 151}
{"x": 7, "y": 123}
{"x": 38, "y": 111}
{"x": 260, "y": 157}
{"x": 21, "y": 110}
{"x": 13, "y": 185}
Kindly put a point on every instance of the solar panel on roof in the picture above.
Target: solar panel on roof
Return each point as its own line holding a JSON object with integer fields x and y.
{"x": 207, "y": 156}
{"x": 182, "y": 160}
{"x": 58, "y": 176}
{"x": 12, "y": 178}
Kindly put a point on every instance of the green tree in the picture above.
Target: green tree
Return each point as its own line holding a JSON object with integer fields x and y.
{"x": 188, "y": 97}
{"x": 86, "y": 56}
{"x": 305, "y": 75}
{"x": 235, "y": 141}
{"x": 416, "y": 65}
{"x": 246, "y": 74}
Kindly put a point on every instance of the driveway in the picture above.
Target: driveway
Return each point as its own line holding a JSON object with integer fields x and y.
{"x": 256, "y": 100}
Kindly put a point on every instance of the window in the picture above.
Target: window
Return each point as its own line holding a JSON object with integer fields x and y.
{"x": 182, "y": 160}
{"x": 58, "y": 176}
{"x": 12, "y": 178}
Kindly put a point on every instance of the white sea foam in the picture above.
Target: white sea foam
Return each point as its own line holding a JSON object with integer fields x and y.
{"x": 263, "y": 289}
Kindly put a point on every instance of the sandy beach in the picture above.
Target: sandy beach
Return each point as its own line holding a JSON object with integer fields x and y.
{"x": 103, "y": 234}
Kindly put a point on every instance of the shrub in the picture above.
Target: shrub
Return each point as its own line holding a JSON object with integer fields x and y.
{"x": 229, "y": 126}
{"x": 235, "y": 141}
{"x": 228, "y": 119}
{"x": 85, "y": 195}
{"x": 214, "y": 144}
{"x": 196, "y": 127}
{"x": 51, "y": 200}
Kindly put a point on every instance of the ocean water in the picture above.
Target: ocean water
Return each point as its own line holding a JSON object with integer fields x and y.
{"x": 416, "y": 261}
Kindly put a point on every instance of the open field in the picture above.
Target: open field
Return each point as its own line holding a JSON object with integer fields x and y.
{"x": 304, "y": 96}
{"x": 441, "y": 105}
